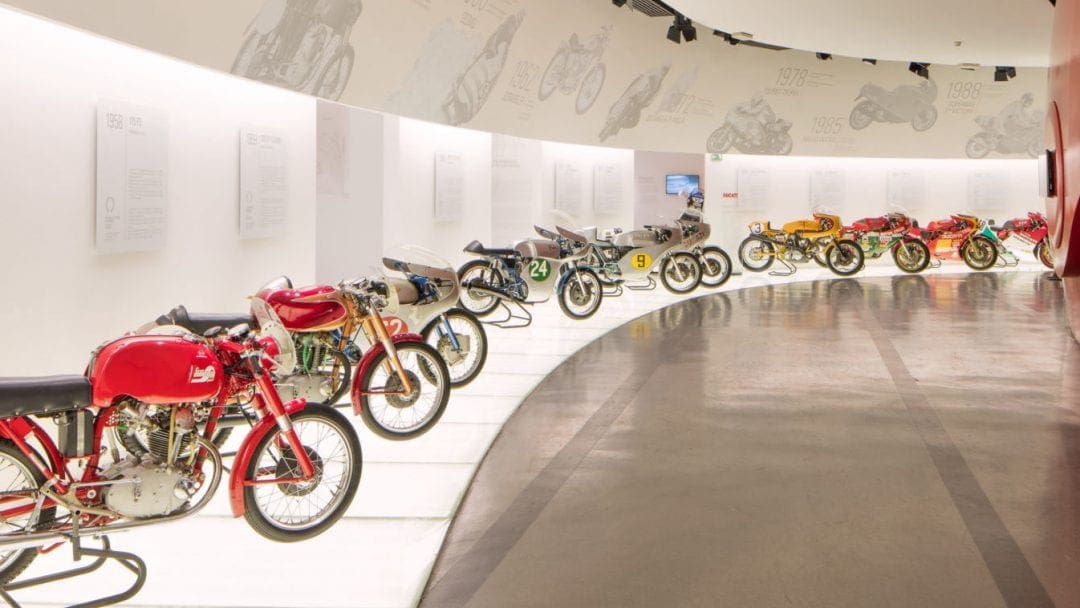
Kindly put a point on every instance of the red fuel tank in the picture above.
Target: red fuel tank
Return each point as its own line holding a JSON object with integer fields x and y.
{"x": 308, "y": 308}
{"x": 156, "y": 369}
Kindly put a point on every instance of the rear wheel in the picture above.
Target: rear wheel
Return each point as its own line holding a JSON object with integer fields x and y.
{"x": 911, "y": 256}
{"x": 390, "y": 412}
{"x": 481, "y": 274}
{"x": 979, "y": 253}
{"x": 581, "y": 294}
{"x": 715, "y": 267}
{"x": 466, "y": 358}
{"x": 756, "y": 254}
{"x": 296, "y": 510}
{"x": 845, "y": 258}
{"x": 680, "y": 273}
{"x": 19, "y": 481}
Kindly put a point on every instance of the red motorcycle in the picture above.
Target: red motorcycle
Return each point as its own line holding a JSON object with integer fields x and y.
{"x": 133, "y": 442}
{"x": 878, "y": 235}
{"x": 1032, "y": 231}
{"x": 961, "y": 236}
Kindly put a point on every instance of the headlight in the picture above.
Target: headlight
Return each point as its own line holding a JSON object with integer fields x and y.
{"x": 755, "y": 228}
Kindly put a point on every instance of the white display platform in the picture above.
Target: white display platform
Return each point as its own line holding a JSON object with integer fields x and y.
{"x": 381, "y": 553}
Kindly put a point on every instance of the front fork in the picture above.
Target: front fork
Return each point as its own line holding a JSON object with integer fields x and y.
{"x": 379, "y": 329}
{"x": 272, "y": 401}
{"x": 445, "y": 330}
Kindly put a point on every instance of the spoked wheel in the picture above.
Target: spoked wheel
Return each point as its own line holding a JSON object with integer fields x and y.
{"x": 979, "y": 253}
{"x": 1044, "y": 255}
{"x": 680, "y": 273}
{"x": 554, "y": 74}
{"x": 755, "y": 254}
{"x": 715, "y": 267}
{"x": 845, "y": 258}
{"x": 296, "y": 510}
{"x": 581, "y": 293}
{"x": 479, "y": 272}
{"x": 911, "y": 256}
{"x": 323, "y": 381}
{"x": 819, "y": 257}
{"x": 590, "y": 88}
{"x": 461, "y": 341}
{"x": 390, "y": 412}
{"x": 19, "y": 480}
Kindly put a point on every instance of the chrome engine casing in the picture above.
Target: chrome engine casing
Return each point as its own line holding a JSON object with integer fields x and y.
{"x": 144, "y": 489}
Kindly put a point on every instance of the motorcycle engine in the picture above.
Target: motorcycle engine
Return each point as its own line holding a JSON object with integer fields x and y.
{"x": 145, "y": 489}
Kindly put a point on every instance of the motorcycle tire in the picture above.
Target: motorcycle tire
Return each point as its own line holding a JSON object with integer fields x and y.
{"x": 819, "y": 258}
{"x": 786, "y": 143}
{"x": 323, "y": 421}
{"x": 581, "y": 295}
{"x": 844, "y": 251}
{"x": 861, "y": 116}
{"x": 342, "y": 63}
{"x": 429, "y": 377}
{"x": 762, "y": 249}
{"x": 719, "y": 141}
{"x": 690, "y": 267}
{"x": 467, "y": 365}
{"x": 556, "y": 65}
{"x": 14, "y": 562}
{"x": 715, "y": 267}
{"x": 481, "y": 271}
{"x": 911, "y": 256}
{"x": 1043, "y": 254}
{"x": 924, "y": 119}
{"x": 979, "y": 253}
{"x": 1034, "y": 149}
{"x": 590, "y": 88}
{"x": 977, "y": 147}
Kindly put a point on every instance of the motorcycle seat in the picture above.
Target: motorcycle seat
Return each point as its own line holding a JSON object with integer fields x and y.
{"x": 478, "y": 249}
{"x": 45, "y": 395}
{"x": 200, "y": 322}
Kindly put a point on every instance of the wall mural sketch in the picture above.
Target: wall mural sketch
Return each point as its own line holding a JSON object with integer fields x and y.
{"x": 906, "y": 103}
{"x": 752, "y": 127}
{"x": 301, "y": 45}
{"x": 471, "y": 89}
{"x": 625, "y": 113}
{"x": 577, "y": 65}
{"x": 1016, "y": 129}
{"x": 447, "y": 52}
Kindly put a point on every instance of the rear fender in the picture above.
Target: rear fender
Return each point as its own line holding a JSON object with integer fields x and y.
{"x": 247, "y": 451}
{"x": 368, "y": 360}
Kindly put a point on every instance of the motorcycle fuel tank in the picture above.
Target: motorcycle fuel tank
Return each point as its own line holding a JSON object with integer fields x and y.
{"x": 156, "y": 369}
{"x": 307, "y": 308}
{"x": 537, "y": 248}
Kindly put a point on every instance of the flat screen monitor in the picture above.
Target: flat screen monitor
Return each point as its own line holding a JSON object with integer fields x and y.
{"x": 679, "y": 184}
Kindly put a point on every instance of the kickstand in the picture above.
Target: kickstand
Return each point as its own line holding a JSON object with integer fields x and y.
{"x": 611, "y": 290}
{"x": 128, "y": 560}
{"x": 935, "y": 263}
{"x": 778, "y": 273}
{"x": 515, "y": 315}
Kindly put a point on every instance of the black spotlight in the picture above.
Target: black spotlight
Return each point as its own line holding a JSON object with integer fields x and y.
{"x": 674, "y": 35}
{"x": 684, "y": 28}
{"x": 919, "y": 69}
{"x": 1003, "y": 73}
{"x": 728, "y": 38}
{"x": 824, "y": 56}
{"x": 869, "y": 61}
{"x": 619, "y": 3}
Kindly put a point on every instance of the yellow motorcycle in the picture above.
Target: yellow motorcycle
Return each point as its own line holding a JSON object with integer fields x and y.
{"x": 817, "y": 239}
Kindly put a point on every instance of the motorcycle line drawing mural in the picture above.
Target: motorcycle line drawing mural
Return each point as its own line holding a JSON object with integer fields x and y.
{"x": 752, "y": 127}
{"x": 1032, "y": 231}
{"x": 820, "y": 239}
{"x": 470, "y": 91}
{"x": 301, "y": 45}
{"x": 968, "y": 238}
{"x": 906, "y": 103}
{"x": 626, "y": 112}
{"x": 1017, "y": 129}
{"x": 890, "y": 234}
{"x": 133, "y": 446}
{"x": 528, "y": 272}
{"x": 577, "y": 66}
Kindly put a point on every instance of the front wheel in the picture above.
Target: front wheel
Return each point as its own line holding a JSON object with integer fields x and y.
{"x": 924, "y": 119}
{"x": 387, "y": 409}
{"x": 590, "y": 88}
{"x": 979, "y": 253}
{"x": 978, "y": 146}
{"x": 1044, "y": 255}
{"x": 554, "y": 74}
{"x": 680, "y": 273}
{"x": 480, "y": 273}
{"x": 845, "y": 258}
{"x": 715, "y": 267}
{"x": 461, "y": 341}
{"x": 296, "y": 510}
{"x": 756, "y": 254}
{"x": 911, "y": 256}
{"x": 581, "y": 293}
{"x": 719, "y": 140}
{"x": 861, "y": 116}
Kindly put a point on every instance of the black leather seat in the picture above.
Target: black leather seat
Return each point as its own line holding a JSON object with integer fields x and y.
{"x": 45, "y": 395}
{"x": 478, "y": 249}
{"x": 199, "y": 322}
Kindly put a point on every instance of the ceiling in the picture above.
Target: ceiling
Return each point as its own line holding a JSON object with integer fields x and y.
{"x": 991, "y": 32}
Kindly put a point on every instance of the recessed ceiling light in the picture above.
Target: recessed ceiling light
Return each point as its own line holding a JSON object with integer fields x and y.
{"x": 968, "y": 66}
{"x": 869, "y": 61}
{"x": 742, "y": 36}
{"x": 958, "y": 43}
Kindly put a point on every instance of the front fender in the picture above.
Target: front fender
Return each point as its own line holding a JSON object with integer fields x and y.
{"x": 247, "y": 450}
{"x": 366, "y": 362}
{"x": 566, "y": 277}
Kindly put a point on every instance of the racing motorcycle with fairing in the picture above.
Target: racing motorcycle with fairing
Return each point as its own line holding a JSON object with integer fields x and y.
{"x": 775, "y": 138}
{"x": 131, "y": 442}
{"x": 994, "y": 138}
{"x": 715, "y": 262}
{"x": 965, "y": 237}
{"x": 889, "y": 233}
{"x": 820, "y": 239}
{"x": 1032, "y": 231}
{"x": 906, "y": 103}
{"x": 629, "y": 258}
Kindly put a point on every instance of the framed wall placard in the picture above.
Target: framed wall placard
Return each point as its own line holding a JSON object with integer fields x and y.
{"x": 264, "y": 183}
{"x": 905, "y": 190}
{"x": 828, "y": 190}
{"x": 132, "y": 177}
{"x": 607, "y": 188}
{"x": 449, "y": 186}
{"x": 569, "y": 193}
{"x": 754, "y": 187}
{"x": 988, "y": 191}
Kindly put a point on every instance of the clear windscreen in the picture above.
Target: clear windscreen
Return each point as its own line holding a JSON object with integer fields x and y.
{"x": 270, "y": 325}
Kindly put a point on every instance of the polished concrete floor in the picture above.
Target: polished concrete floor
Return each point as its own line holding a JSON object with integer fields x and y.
{"x": 905, "y": 441}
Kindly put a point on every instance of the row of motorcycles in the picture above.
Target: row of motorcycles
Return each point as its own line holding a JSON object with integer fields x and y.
{"x": 825, "y": 240}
